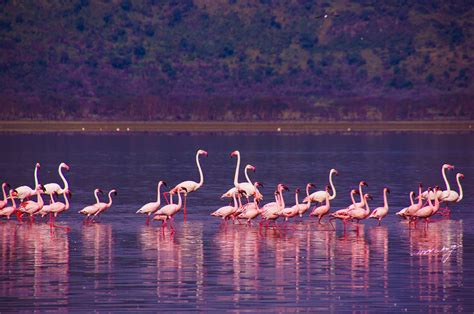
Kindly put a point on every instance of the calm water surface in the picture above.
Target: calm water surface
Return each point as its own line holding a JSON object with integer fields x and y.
{"x": 120, "y": 263}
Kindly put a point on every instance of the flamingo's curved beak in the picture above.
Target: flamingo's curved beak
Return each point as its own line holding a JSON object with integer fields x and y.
{"x": 388, "y": 190}
{"x": 259, "y": 184}
{"x": 461, "y": 175}
{"x": 364, "y": 183}
{"x": 370, "y": 197}
{"x": 204, "y": 153}
{"x": 285, "y": 188}
{"x": 234, "y": 153}
{"x": 254, "y": 168}
{"x": 312, "y": 185}
{"x": 14, "y": 193}
{"x": 164, "y": 183}
{"x": 297, "y": 190}
{"x": 8, "y": 185}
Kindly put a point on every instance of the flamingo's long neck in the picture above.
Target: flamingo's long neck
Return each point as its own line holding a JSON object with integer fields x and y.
{"x": 333, "y": 196}
{"x": 66, "y": 201}
{"x": 235, "y": 200}
{"x": 443, "y": 172}
{"x": 352, "y": 198}
{"x": 97, "y": 197}
{"x": 13, "y": 200}
{"x": 420, "y": 201}
{"x": 436, "y": 205}
{"x": 66, "y": 184}
{"x": 240, "y": 201}
{"x": 307, "y": 195}
{"x": 4, "y": 193}
{"x": 158, "y": 198}
{"x": 361, "y": 195}
{"x": 367, "y": 209}
{"x": 385, "y": 201}
{"x": 40, "y": 199}
{"x": 296, "y": 199}
{"x": 429, "y": 201}
{"x": 36, "y": 176}
{"x": 51, "y": 196}
{"x": 327, "y": 199}
{"x": 282, "y": 200}
{"x": 236, "y": 175}
{"x": 460, "y": 189}
{"x": 411, "y": 198}
{"x": 110, "y": 200}
{"x": 201, "y": 176}
{"x": 247, "y": 176}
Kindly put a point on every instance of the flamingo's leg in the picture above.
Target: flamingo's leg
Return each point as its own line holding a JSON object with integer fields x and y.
{"x": 185, "y": 197}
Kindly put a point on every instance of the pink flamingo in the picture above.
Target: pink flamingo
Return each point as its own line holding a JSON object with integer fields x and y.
{"x": 248, "y": 186}
{"x": 191, "y": 186}
{"x": 152, "y": 207}
{"x": 24, "y": 191}
{"x": 453, "y": 196}
{"x": 171, "y": 209}
{"x": 4, "y": 202}
{"x": 92, "y": 209}
{"x": 360, "y": 213}
{"x": 9, "y": 210}
{"x": 46, "y": 208}
{"x": 104, "y": 206}
{"x": 290, "y": 212}
{"x": 31, "y": 207}
{"x": 321, "y": 211}
{"x": 428, "y": 211}
{"x": 342, "y": 214}
{"x": 54, "y": 187}
{"x": 402, "y": 212}
{"x": 226, "y": 211}
{"x": 231, "y": 191}
{"x": 415, "y": 207}
{"x": 272, "y": 205}
{"x": 380, "y": 212}
{"x": 320, "y": 196}
{"x": 251, "y": 211}
{"x": 59, "y": 207}
{"x": 302, "y": 208}
{"x": 362, "y": 202}
{"x": 430, "y": 195}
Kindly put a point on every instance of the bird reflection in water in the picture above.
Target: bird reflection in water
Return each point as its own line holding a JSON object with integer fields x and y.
{"x": 98, "y": 259}
{"x": 176, "y": 259}
{"x": 44, "y": 267}
{"x": 436, "y": 262}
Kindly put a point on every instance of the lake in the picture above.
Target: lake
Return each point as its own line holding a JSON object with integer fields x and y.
{"x": 121, "y": 263}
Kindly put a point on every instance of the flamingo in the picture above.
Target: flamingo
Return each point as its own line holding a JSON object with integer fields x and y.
{"x": 59, "y": 207}
{"x": 152, "y": 207}
{"x": 427, "y": 211}
{"x": 104, "y": 206}
{"x": 273, "y": 212}
{"x": 191, "y": 186}
{"x": 414, "y": 207}
{"x": 290, "y": 212}
{"x": 342, "y": 214}
{"x": 324, "y": 209}
{"x": 453, "y": 196}
{"x": 24, "y": 191}
{"x": 5, "y": 198}
{"x": 248, "y": 186}
{"x": 47, "y": 208}
{"x": 380, "y": 212}
{"x": 31, "y": 207}
{"x": 231, "y": 191}
{"x": 320, "y": 196}
{"x": 402, "y": 212}
{"x": 251, "y": 211}
{"x": 305, "y": 205}
{"x": 226, "y": 211}
{"x": 360, "y": 213}
{"x": 439, "y": 193}
{"x": 279, "y": 190}
{"x": 54, "y": 187}
{"x": 171, "y": 209}
{"x": 7, "y": 211}
{"x": 362, "y": 202}
{"x": 92, "y": 209}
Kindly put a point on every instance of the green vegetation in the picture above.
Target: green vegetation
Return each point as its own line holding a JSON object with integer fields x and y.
{"x": 232, "y": 60}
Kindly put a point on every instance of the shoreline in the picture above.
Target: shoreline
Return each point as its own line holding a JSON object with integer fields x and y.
{"x": 236, "y": 127}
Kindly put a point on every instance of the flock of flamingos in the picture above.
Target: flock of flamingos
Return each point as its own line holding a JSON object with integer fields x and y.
{"x": 424, "y": 206}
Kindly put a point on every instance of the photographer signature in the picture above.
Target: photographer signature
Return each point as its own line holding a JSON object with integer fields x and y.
{"x": 446, "y": 252}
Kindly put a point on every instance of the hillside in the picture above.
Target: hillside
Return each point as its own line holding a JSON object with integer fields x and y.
{"x": 236, "y": 60}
